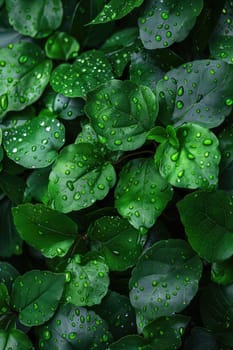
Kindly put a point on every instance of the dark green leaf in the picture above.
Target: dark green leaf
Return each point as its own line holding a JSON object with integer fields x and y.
{"x": 89, "y": 70}
{"x": 35, "y": 143}
{"x": 117, "y": 241}
{"x": 116, "y": 9}
{"x": 122, "y": 112}
{"x": 36, "y": 295}
{"x": 74, "y": 328}
{"x": 164, "y": 280}
{"x": 40, "y": 18}
{"x": 163, "y": 23}
{"x": 37, "y": 186}
{"x": 208, "y": 221}
{"x": 141, "y": 194}
{"x": 4, "y": 298}
{"x": 226, "y": 164}
{"x": 14, "y": 339}
{"x": 47, "y": 230}
{"x": 7, "y": 274}
{"x": 198, "y": 91}
{"x": 222, "y": 272}
{"x": 61, "y": 46}
{"x": 80, "y": 176}
{"x": 201, "y": 339}
{"x": 131, "y": 342}
{"x": 193, "y": 161}
{"x": 13, "y": 186}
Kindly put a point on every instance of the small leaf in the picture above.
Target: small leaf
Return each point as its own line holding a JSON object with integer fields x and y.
{"x": 80, "y": 176}
{"x": 222, "y": 272}
{"x": 209, "y": 227}
{"x": 4, "y": 299}
{"x": 87, "y": 283}
{"x": 201, "y": 339}
{"x": 198, "y": 91}
{"x": 193, "y": 161}
{"x": 72, "y": 328}
{"x": 226, "y": 164}
{"x": 163, "y": 23}
{"x": 90, "y": 70}
{"x": 116, "y": 9}
{"x": 7, "y": 274}
{"x": 40, "y": 18}
{"x": 37, "y": 186}
{"x": 61, "y": 46}
{"x": 116, "y": 240}
{"x": 121, "y": 113}
{"x": 35, "y": 143}
{"x": 47, "y": 230}
{"x": 131, "y": 342}
{"x": 141, "y": 193}
{"x": 164, "y": 280}
{"x": 36, "y": 294}
{"x": 14, "y": 339}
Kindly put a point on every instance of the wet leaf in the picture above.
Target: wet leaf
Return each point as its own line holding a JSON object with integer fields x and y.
{"x": 7, "y": 274}
{"x": 61, "y": 46}
{"x": 14, "y": 339}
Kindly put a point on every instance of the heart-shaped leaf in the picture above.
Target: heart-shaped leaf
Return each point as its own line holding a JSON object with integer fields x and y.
{"x": 35, "y": 143}
{"x": 164, "y": 280}
{"x": 122, "y": 112}
{"x": 117, "y": 241}
{"x": 198, "y": 91}
{"x": 14, "y": 339}
{"x": 45, "y": 229}
{"x": 80, "y": 176}
{"x": 89, "y": 70}
{"x": 209, "y": 227}
{"x": 36, "y": 294}
{"x": 24, "y": 74}
{"x": 141, "y": 194}
{"x": 162, "y": 23}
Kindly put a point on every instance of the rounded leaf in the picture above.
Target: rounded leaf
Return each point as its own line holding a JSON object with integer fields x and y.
{"x": 14, "y": 339}
{"x": 61, "y": 46}
{"x": 7, "y": 274}
{"x": 66, "y": 108}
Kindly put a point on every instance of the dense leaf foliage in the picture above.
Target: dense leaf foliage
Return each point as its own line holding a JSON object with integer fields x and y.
{"x": 116, "y": 175}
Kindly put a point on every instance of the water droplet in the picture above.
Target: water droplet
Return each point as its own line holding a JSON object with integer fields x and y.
{"x": 229, "y": 102}
{"x": 179, "y": 104}
{"x": 4, "y": 101}
{"x": 207, "y": 142}
{"x": 23, "y": 59}
{"x": 47, "y": 335}
{"x": 164, "y": 15}
{"x": 175, "y": 156}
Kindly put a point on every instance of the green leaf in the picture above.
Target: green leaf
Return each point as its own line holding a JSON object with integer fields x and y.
{"x": 121, "y": 112}
{"x": 116, "y": 9}
{"x": 40, "y": 18}
{"x": 201, "y": 339}
{"x": 131, "y": 342}
{"x": 10, "y": 241}
{"x": 24, "y": 75}
{"x": 117, "y": 241}
{"x": 7, "y": 274}
{"x": 14, "y": 339}
{"x": 163, "y": 23}
{"x": 194, "y": 164}
{"x": 87, "y": 283}
{"x": 198, "y": 91}
{"x": 118, "y": 312}
{"x": 35, "y": 143}
{"x": 222, "y": 272}
{"x": 209, "y": 227}
{"x": 37, "y": 186}
{"x": 141, "y": 193}
{"x": 50, "y": 232}
{"x": 79, "y": 177}
{"x": 4, "y": 299}
{"x": 90, "y": 70}
{"x": 226, "y": 164}
{"x": 13, "y": 186}
{"x": 36, "y": 295}
{"x": 61, "y": 46}
{"x": 74, "y": 328}
{"x": 164, "y": 280}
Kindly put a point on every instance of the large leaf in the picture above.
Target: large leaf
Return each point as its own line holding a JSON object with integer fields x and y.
{"x": 164, "y": 280}
{"x": 74, "y": 328}
{"x": 40, "y": 18}
{"x": 164, "y": 22}
{"x": 36, "y": 294}
{"x": 79, "y": 177}
{"x": 192, "y": 161}
{"x": 208, "y": 221}
{"x": 24, "y": 74}
{"x": 35, "y": 143}
{"x": 198, "y": 91}
{"x": 122, "y": 112}
{"x": 141, "y": 194}
{"x": 116, "y": 9}
{"x": 87, "y": 283}
{"x": 47, "y": 230}
{"x": 89, "y": 70}
{"x": 117, "y": 241}
{"x": 14, "y": 339}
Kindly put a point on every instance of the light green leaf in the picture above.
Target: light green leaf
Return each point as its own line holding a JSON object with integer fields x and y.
{"x": 24, "y": 74}
{"x": 164, "y": 280}
{"x": 80, "y": 176}
{"x": 36, "y": 295}
{"x": 121, "y": 113}
{"x": 35, "y": 144}
{"x": 208, "y": 221}
{"x": 163, "y": 23}
{"x": 40, "y": 18}
{"x": 141, "y": 193}
{"x": 90, "y": 70}
{"x": 14, "y": 339}
{"x": 61, "y": 46}
{"x": 45, "y": 229}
